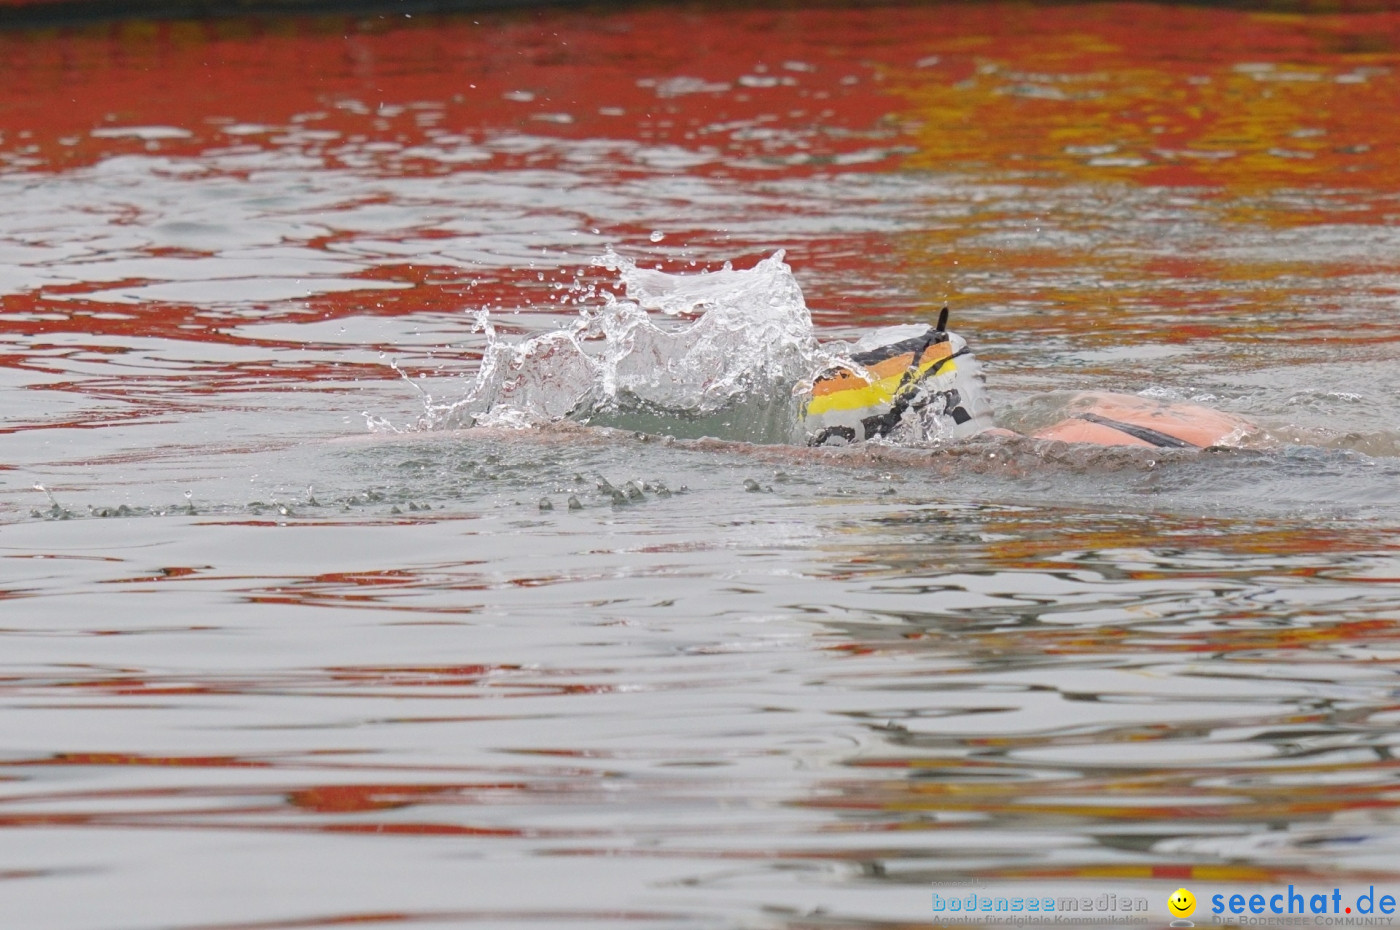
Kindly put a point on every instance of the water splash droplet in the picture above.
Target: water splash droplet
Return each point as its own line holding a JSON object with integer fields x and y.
{"x": 676, "y": 349}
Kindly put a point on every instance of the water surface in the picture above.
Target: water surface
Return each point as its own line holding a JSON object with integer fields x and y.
{"x": 265, "y": 668}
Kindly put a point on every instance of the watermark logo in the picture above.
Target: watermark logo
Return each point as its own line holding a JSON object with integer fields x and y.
{"x": 1365, "y": 909}
{"x": 1181, "y": 903}
{"x": 1025, "y": 908}
{"x": 1217, "y": 906}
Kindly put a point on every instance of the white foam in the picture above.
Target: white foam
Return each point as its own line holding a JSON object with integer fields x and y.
{"x": 679, "y": 346}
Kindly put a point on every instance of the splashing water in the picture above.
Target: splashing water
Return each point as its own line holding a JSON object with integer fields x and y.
{"x": 715, "y": 352}
{"x": 729, "y": 354}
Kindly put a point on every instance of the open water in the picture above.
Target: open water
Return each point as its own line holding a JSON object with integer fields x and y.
{"x": 287, "y": 642}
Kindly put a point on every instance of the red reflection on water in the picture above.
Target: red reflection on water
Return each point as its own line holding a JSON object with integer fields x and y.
{"x": 1228, "y": 101}
{"x": 449, "y": 683}
{"x": 417, "y": 676}
{"x": 1165, "y": 95}
{"x": 127, "y": 758}
{"x": 339, "y": 799}
{"x": 1230, "y": 108}
{"x": 370, "y": 77}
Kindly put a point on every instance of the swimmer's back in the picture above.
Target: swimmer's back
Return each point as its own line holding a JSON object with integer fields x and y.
{"x": 1107, "y": 419}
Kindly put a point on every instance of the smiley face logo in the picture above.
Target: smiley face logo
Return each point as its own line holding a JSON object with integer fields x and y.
{"x": 1182, "y": 903}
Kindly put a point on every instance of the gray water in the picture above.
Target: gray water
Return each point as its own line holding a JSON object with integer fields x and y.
{"x": 264, "y": 666}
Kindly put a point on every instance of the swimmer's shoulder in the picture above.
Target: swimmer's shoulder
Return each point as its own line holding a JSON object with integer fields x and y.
{"x": 1108, "y": 419}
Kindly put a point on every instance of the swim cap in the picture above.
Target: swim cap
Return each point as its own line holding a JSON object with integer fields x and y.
{"x": 908, "y": 383}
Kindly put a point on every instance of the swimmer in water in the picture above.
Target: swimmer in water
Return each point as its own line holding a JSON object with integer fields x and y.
{"x": 922, "y": 382}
